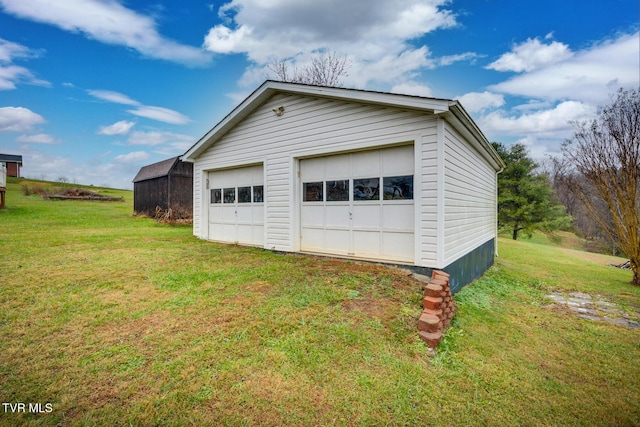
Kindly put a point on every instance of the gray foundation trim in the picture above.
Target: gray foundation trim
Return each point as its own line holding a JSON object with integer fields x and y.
{"x": 471, "y": 266}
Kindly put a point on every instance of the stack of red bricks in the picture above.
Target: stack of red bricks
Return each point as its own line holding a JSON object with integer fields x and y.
{"x": 438, "y": 309}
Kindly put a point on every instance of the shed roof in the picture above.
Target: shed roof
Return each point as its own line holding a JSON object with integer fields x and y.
{"x": 450, "y": 110}
{"x": 13, "y": 158}
{"x": 155, "y": 170}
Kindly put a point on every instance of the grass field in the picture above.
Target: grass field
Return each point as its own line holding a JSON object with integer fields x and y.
{"x": 109, "y": 319}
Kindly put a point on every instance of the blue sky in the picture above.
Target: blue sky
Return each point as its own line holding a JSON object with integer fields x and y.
{"x": 91, "y": 90}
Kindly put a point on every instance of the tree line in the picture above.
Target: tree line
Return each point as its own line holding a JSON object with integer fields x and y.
{"x": 592, "y": 187}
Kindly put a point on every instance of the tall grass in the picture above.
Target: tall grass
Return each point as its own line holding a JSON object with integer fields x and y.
{"x": 119, "y": 320}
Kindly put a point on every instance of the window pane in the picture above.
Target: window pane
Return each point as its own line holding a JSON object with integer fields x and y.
{"x": 229, "y": 195}
{"x": 398, "y": 188}
{"x": 338, "y": 191}
{"x": 244, "y": 194}
{"x": 366, "y": 189}
{"x": 312, "y": 192}
{"x": 258, "y": 196}
{"x": 216, "y": 195}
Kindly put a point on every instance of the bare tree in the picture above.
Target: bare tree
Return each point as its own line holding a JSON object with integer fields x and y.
{"x": 325, "y": 69}
{"x": 560, "y": 176}
{"x": 604, "y": 157}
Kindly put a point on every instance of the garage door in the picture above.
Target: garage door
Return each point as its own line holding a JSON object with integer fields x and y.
{"x": 236, "y": 208}
{"x": 359, "y": 204}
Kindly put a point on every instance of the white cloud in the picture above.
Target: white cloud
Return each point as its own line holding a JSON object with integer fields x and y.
{"x": 112, "y": 96}
{"x": 18, "y": 119}
{"x": 100, "y": 170}
{"x": 11, "y": 74}
{"x": 40, "y": 165}
{"x": 238, "y": 97}
{"x": 542, "y": 130}
{"x": 134, "y": 156}
{"x": 221, "y": 39}
{"x": 451, "y": 59}
{"x": 531, "y": 55}
{"x": 167, "y": 143}
{"x": 107, "y": 21}
{"x": 110, "y": 173}
{"x": 539, "y": 148}
{"x": 533, "y": 105}
{"x": 118, "y": 128}
{"x": 40, "y": 138}
{"x": 589, "y": 75}
{"x": 160, "y": 114}
{"x": 390, "y": 68}
{"x": 10, "y": 51}
{"x": 549, "y": 122}
{"x": 412, "y": 88}
{"x": 555, "y": 86}
{"x": 375, "y": 34}
{"x": 475, "y": 102}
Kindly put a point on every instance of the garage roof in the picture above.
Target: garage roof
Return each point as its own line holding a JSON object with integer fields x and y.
{"x": 155, "y": 170}
{"x": 450, "y": 110}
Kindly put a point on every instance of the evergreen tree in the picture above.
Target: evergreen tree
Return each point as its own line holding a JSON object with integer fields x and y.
{"x": 525, "y": 199}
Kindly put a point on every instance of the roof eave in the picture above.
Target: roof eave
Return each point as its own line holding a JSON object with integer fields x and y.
{"x": 462, "y": 121}
{"x": 270, "y": 87}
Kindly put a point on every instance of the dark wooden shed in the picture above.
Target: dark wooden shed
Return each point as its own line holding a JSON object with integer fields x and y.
{"x": 167, "y": 184}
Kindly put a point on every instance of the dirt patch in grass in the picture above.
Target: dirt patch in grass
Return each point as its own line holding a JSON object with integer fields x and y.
{"x": 372, "y": 307}
{"x": 80, "y": 194}
{"x": 260, "y": 287}
{"x": 286, "y": 399}
{"x": 50, "y": 192}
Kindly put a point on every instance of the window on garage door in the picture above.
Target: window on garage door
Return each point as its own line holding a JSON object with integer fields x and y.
{"x": 394, "y": 188}
{"x": 249, "y": 194}
{"x": 337, "y": 190}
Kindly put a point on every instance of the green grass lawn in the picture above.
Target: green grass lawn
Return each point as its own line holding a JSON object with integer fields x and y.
{"x": 118, "y": 320}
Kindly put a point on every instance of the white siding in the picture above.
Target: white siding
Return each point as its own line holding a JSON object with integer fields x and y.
{"x": 279, "y": 203}
{"x": 454, "y": 186}
{"x": 308, "y": 127}
{"x": 470, "y": 204}
{"x": 427, "y": 174}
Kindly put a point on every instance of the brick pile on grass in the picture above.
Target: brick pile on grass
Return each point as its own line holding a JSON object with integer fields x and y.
{"x": 438, "y": 309}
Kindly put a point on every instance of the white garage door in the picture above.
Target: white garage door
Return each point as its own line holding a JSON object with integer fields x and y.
{"x": 236, "y": 206}
{"x": 359, "y": 204}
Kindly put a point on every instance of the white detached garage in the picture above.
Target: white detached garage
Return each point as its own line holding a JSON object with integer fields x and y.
{"x": 350, "y": 173}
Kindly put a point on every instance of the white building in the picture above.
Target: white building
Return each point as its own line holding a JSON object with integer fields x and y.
{"x": 350, "y": 173}
{"x": 3, "y": 176}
